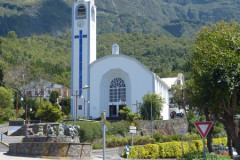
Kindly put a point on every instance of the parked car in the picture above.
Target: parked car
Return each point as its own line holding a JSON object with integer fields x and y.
{"x": 234, "y": 151}
{"x": 218, "y": 149}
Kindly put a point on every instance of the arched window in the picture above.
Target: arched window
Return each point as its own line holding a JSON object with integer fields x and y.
{"x": 117, "y": 90}
{"x": 81, "y": 12}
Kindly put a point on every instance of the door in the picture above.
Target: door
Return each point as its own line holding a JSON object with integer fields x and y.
{"x": 112, "y": 110}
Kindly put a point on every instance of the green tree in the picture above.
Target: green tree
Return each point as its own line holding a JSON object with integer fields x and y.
{"x": 65, "y": 103}
{"x": 156, "y": 102}
{"x": 53, "y": 97}
{"x": 50, "y": 113}
{"x": 126, "y": 114}
{"x": 216, "y": 73}
{"x": 6, "y": 103}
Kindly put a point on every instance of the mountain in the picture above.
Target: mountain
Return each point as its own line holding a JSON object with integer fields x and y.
{"x": 178, "y": 18}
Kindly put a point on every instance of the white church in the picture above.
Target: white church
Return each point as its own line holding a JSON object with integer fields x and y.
{"x": 113, "y": 81}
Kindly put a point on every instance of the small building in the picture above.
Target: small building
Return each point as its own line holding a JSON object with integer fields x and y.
{"x": 44, "y": 89}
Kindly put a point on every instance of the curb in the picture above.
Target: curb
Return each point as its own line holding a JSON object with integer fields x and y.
{"x": 7, "y": 145}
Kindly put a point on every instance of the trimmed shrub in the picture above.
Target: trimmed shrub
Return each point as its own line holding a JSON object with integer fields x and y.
{"x": 222, "y": 141}
{"x": 113, "y": 141}
{"x": 199, "y": 145}
{"x": 151, "y": 151}
{"x": 199, "y": 156}
{"x": 172, "y": 150}
{"x": 192, "y": 136}
{"x": 158, "y": 137}
{"x": 138, "y": 151}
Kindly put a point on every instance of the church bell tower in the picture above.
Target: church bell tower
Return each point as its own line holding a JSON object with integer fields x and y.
{"x": 83, "y": 54}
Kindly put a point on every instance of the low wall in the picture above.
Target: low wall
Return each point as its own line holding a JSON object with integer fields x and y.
{"x": 165, "y": 127}
{"x": 51, "y": 149}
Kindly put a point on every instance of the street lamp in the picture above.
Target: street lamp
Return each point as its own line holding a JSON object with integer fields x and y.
{"x": 151, "y": 116}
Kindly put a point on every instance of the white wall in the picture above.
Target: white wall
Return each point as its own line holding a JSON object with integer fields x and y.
{"x": 162, "y": 89}
{"x": 138, "y": 79}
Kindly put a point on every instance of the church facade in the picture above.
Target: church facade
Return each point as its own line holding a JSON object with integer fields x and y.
{"x": 113, "y": 81}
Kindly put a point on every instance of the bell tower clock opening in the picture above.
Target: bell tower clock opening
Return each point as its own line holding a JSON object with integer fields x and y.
{"x": 81, "y": 12}
{"x": 83, "y": 54}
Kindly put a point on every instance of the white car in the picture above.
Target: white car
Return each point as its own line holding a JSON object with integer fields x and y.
{"x": 234, "y": 151}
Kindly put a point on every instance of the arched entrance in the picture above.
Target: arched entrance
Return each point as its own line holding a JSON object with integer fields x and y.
{"x": 115, "y": 92}
{"x": 117, "y": 96}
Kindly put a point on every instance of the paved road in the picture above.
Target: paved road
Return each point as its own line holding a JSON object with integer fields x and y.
{"x": 110, "y": 154}
{"x": 3, "y": 148}
{"x": 9, "y": 139}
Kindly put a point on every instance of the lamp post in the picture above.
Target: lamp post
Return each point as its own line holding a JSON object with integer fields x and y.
{"x": 152, "y": 117}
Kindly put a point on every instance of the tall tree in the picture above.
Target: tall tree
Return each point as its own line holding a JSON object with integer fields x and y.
{"x": 18, "y": 79}
{"x": 153, "y": 101}
{"x": 6, "y": 104}
{"x": 216, "y": 71}
{"x": 53, "y": 97}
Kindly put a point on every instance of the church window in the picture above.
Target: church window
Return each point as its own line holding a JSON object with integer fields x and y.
{"x": 117, "y": 91}
{"x": 81, "y": 12}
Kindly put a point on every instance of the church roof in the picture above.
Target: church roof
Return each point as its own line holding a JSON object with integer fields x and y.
{"x": 121, "y": 55}
{"x": 166, "y": 83}
{"x": 169, "y": 81}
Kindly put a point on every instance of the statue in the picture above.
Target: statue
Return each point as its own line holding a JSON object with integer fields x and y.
{"x": 29, "y": 131}
{"x": 60, "y": 130}
{"x": 40, "y": 131}
{"x": 71, "y": 131}
{"x": 75, "y": 129}
{"x": 50, "y": 131}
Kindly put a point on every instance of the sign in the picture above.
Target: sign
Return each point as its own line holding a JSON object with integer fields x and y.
{"x": 181, "y": 130}
{"x": 133, "y": 124}
{"x": 203, "y": 127}
{"x": 127, "y": 149}
{"x": 133, "y": 129}
{"x": 106, "y": 129}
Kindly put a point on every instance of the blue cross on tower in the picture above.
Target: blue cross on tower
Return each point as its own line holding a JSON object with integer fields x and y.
{"x": 80, "y": 36}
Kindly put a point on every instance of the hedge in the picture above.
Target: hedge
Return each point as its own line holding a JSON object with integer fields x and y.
{"x": 113, "y": 141}
{"x": 170, "y": 149}
{"x": 168, "y": 138}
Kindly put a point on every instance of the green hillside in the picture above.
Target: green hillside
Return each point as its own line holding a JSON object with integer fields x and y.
{"x": 52, "y": 56}
{"x": 179, "y": 18}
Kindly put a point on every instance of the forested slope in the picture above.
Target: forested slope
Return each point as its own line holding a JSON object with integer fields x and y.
{"x": 52, "y": 56}
{"x": 179, "y": 18}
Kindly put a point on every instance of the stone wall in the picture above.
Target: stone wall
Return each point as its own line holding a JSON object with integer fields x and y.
{"x": 165, "y": 127}
{"x": 79, "y": 150}
{"x": 63, "y": 139}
